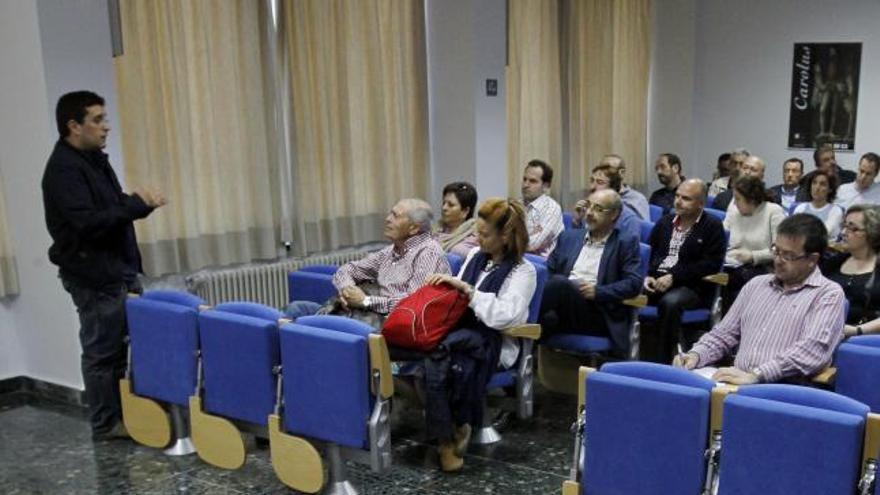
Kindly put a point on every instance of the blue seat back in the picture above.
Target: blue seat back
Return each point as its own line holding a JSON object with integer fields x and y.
{"x": 643, "y": 435}
{"x": 325, "y": 269}
{"x": 310, "y": 286}
{"x": 858, "y": 366}
{"x": 644, "y": 258}
{"x": 719, "y": 214}
{"x": 808, "y": 441}
{"x": 338, "y": 324}
{"x": 163, "y": 328}
{"x": 455, "y": 261}
{"x": 541, "y": 275}
{"x": 567, "y": 220}
{"x": 535, "y": 259}
{"x": 239, "y": 352}
{"x": 655, "y": 212}
{"x": 646, "y": 228}
{"x": 326, "y": 384}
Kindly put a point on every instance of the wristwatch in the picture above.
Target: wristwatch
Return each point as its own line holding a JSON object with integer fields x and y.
{"x": 367, "y": 301}
{"x": 757, "y": 372}
{"x": 859, "y": 330}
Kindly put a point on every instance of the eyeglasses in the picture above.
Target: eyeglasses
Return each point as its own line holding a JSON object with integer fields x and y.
{"x": 852, "y": 228}
{"x": 785, "y": 256}
{"x": 588, "y": 206}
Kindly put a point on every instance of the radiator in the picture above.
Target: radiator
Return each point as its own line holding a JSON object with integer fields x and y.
{"x": 264, "y": 283}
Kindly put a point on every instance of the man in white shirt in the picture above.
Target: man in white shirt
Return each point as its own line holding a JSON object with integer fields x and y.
{"x": 631, "y": 198}
{"x": 543, "y": 213}
{"x": 863, "y": 190}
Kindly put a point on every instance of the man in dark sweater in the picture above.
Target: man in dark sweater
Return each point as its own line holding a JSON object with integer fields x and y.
{"x": 668, "y": 169}
{"x": 686, "y": 245}
{"x": 90, "y": 221}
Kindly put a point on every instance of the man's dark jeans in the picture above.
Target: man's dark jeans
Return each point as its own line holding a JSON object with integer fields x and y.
{"x": 102, "y": 336}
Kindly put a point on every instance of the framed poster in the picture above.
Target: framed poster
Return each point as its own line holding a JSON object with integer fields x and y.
{"x": 824, "y": 95}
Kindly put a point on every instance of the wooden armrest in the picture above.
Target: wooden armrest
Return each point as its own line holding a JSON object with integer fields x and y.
{"x": 719, "y": 393}
{"x": 132, "y": 295}
{"x": 204, "y": 307}
{"x": 526, "y": 331}
{"x": 872, "y": 439}
{"x": 583, "y": 371}
{"x": 825, "y": 377}
{"x": 380, "y": 362}
{"x": 719, "y": 278}
{"x": 837, "y": 247}
{"x": 640, "y": 301}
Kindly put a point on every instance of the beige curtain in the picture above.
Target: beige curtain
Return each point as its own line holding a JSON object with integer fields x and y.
{"x": 359, "y": 85}
{"x": 607, "y": 63}
{"x": 591, "y": 59}
{"x": 8, "y": 272}
{"x": 194, "y": 123}
{"x": 534, "y": 97}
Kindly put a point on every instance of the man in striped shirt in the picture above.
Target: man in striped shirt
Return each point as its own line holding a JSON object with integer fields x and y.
{"x": 786, "y": 324}
{"x": 397, "y": 270}
{"x": 543, "y": 213}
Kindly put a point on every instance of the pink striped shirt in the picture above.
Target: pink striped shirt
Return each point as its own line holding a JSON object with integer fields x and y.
{"x": 544, "y": 223}
{"x": 397, "y": 273}
{"x": 781, "y": 333}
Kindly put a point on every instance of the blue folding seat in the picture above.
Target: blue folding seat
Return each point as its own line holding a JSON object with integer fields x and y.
{"x": 719, "y": 214}
{"x": 642, "y": 428}
{"x": 162, "y": 359}
{"x": 336, "y": 385}
{"x": 785, "y": 439}
{"x": 645, "y": 226}
{"x": 239, "y": 356}
{"x": 655, "y": 212}
{"x": 857, "y": 361}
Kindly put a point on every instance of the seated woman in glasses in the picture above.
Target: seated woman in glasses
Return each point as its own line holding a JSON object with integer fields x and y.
{"x": 456, "y": 231}
{"x": 823, "y": 189}
{"x": 752, "y": 225}
{"x": 856, "y": 269}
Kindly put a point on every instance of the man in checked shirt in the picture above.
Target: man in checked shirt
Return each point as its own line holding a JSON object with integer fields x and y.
{"x": 396, "y": 270}
{"x": 786, "y": 324}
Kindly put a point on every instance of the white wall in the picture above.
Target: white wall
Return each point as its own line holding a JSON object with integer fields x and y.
{"x": 743, "y": 71}
{"x": 46, "y": 48}
{"x": 466, "y": 43}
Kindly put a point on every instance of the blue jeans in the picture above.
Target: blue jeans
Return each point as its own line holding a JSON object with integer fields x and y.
{"x": 102, "y": 337}
{"x": 301, "y": 308}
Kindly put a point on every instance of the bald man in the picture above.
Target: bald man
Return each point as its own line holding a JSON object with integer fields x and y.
{"x": 686, "y": 245}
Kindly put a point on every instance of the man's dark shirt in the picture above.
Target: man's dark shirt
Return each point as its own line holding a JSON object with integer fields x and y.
{"x": 90, "y": 218}
{"x": 664, "y": 198}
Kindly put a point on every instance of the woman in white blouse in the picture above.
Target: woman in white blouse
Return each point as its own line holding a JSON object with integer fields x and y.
{"x": 752, "y": 224}
{"x": 823, "y": 190}
{"x": 500, "y": 285}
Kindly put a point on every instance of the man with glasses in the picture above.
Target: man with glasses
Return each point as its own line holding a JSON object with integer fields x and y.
{"x": 591, "y": 273}
{"x": 686, "y": 245}
{"x": 787, "y": 324}
{"x": 605, "y": 177}
{"x": 864, "y": 190}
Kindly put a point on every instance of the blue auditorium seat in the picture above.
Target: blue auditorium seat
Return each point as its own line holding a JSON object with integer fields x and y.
{"x": 643, "y": 428}
{"x": 719, "y": 214}
{"x": 239, "y": 354}
{"x": 655, "y": 212}
{"x": 858, "y": 367}
{"x": 785, "y": 439}
{"x": 163, "y": 346}
{"x": 646, "y": 227}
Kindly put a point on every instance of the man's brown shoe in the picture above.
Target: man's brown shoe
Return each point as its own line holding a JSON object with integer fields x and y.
{"x": 462, "y": 439}
{"x": 449, "y": 462}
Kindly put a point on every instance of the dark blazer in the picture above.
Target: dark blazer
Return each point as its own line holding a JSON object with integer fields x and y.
{"x": 701, "y": 254}
{"x": 619, "y": 276}
{"x": 90, "y": 219}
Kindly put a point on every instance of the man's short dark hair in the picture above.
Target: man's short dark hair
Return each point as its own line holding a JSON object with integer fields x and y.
{"x": 673, "y": 160}
{"x": 73, "y": 106}
{"x": 615, "y": 181}
{"x": 807, "y": 227}
{"x": 465, "y": 193}
{"x": 723, "y": 157}
{"x": 873, "y": 159}
{"x": 821, "y": 149}
{"x": 794, "y": 159}
{"x": 546, "y": 170}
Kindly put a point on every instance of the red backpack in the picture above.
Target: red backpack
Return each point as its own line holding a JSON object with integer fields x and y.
{"x": 423, "y": 318}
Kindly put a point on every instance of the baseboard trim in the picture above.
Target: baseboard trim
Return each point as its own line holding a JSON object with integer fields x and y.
{"x": 43, "y": 390}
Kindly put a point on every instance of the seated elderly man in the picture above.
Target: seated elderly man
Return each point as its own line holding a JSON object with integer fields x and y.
{"x": 393, "y": 272}
{"x": 591, "y": 273}
{"x": 785, "y": 325}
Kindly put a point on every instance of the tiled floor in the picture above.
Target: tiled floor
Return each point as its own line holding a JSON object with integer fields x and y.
{"x": 45, "y": 447}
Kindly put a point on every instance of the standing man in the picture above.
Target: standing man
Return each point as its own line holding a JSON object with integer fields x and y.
{"x": 668, "y": 169}
{"x": 863, "y": 190}
{"x": 543, "y": 213}
{"x": 686, "y": 245}
{"x": 90, "y": 221}
{"x": 792, "y": 171}
{"x": 631, "y": 198}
